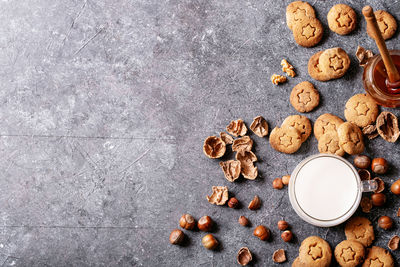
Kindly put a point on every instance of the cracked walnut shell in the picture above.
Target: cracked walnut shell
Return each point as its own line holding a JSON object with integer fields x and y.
{"x": 388, "y": 126}
{"x": 214, "y": 147}
{"x": 242, "y": 144}
{"x": 228, "y": 140}
{"x": 244, "y": 256}
{"x": 248, "y": 170}
{"x": 231, "y": 169}
{"x": 237, "y": 128}
{"x": 259, "y": 126}
{"x": 219, "y": 195}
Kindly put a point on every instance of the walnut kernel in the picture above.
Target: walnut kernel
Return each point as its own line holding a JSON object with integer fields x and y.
{"x": 214, "y": 147}
{"x": 286, "y": 67}
{"x": 259, "y": 126}
{"x": 388, "y": 126}
{"x": 279, "y": 256}
{"x": 219, "y": 195}
{"x": 237, "y": 128}
{"x": 242, "y": 144}
{"x": 244, "y": 256}
{"x": 277, "y": 79}
{"x": 231, "y": 169}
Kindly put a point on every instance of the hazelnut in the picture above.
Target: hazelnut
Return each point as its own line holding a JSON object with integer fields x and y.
{"x": 261, "y": 232}
{"x": 187, "y": 222}
{"x": 205, "y": 223}
{"x": 379, "y": 165}
{"x": 283, "y": 225}
{"x": 176, "y": 237}
{"x": 287, "y": 236}
{"x": 209, "y": 241}
{"x": 378, "y": 199}
{"x": 362, "y": 162}
{"x": 364, "y": 174}
{"x": 255, "y": 203}
{"x": 243, "y": 221}
{"x": 385, "y": 222}
{"x": 277, "y": 183}
{"x": 233, "y": 202}
{"x": 285, "y": 179}
{"x": 395, "y": 188}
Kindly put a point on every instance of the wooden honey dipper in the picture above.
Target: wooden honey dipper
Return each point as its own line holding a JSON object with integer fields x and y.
{"x": 393, "y": 80}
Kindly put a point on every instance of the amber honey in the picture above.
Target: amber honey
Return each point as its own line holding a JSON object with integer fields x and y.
{"x": 380, "y": 75}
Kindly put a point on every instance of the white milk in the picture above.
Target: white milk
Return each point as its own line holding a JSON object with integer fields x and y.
{"x": 326, "y": 188}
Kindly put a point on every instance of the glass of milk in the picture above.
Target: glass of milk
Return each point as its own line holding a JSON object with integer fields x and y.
{"x": 325, "y": 189}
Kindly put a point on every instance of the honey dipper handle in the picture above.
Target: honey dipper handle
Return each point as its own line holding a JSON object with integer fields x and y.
{"x": 375, "y": 33}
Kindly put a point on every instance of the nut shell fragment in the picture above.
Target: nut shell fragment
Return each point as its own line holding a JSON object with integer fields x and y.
{"x": 248, "y": 170}
{"x": 381, "y": 185}
{"x": 219, "y": 195}
{"x": 244, "y": 256}
{"x": 366, "y": 204}
{"x": 398, "y": 212}
{"x": 237, "y": 128}
{"x": 363, "y": 55}
{"x": 228, "y": 140}
{"x": 255, "y": 203}
{"x": 231, "y": 169}
{"x": 388, "y": 126}
{"x": 214, "y": 147}
{"x": 259, "y": 126}
{"x": 279, "y": 256}
{"x": 394, "y": 242}
{"x": 242, "y": 144}
{"x": 370, "y": 131}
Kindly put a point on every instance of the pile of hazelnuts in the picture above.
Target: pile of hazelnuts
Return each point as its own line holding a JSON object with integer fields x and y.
{"x": 378, "y": 199}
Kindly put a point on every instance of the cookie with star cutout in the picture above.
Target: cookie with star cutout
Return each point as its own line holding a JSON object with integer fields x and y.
{"x": 326, "y": 123}
{"x": 304, "y": 97}
{"x": 308, "y": 32}
{"x": 334, "y": 62}
{"x": 361, "y": 110}
{"x": 329, "y": 143}
{"x": 315, "y": 251}
{"x": 386, "y": 22}
{"x": 301, "y": 123}
{"x": 360, "y": 229}
{"x": 297, "y": 11}
{"x": 377, "y": 256}
{"x": 285, "y": 139}
{"x": 342, "y": 19}
{"x": 349, "y": 253}
{"x": 351, "y": 138}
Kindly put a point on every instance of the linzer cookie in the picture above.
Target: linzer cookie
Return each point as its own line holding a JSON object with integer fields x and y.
{"x": 342, "y": 19}
{"x": 334, "y": 62}
{"x": 361, "y": 110}
{"x": 308, "y": 32}
{"x": 360, "y": 229}
{"x": 298, "y": 11}
{"x": 387, "y": 24}
{"x": 304, "y": 97}
{"x": 285, "y": 139}
{"x": 329, "y": 143}
{"x": 315, "y": 251}
{"x": 326, "y": 123}
{"x": 301, "y": 123}
{"x": 349, "y": 253}
{"x": 351, "y": 138}
{"x": 377, "y": 256}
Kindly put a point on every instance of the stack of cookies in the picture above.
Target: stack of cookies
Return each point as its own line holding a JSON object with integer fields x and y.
{"x": 301, "y": 20}
{"x": 330, "y": 64}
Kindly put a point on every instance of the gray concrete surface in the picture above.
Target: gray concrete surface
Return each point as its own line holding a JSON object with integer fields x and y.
{"x": 104, "y": 108}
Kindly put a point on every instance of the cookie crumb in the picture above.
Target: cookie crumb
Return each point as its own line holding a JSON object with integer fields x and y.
{"x": 286, "y": 67}
{"x": 279, "y": 256}
{"x": 277, "y": 79}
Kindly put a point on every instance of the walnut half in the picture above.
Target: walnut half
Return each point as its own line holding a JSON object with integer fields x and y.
{"x": 237, "y": 128}
{"x": 242, "y": 144}
{"x": 231, "y": 169}
{"x": 214, "y": 147}
{"x": 388, "y": 126}
{"x": 219, "y": 195}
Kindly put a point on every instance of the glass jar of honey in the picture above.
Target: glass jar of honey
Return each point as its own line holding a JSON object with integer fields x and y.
{"x": 375, "y": 83}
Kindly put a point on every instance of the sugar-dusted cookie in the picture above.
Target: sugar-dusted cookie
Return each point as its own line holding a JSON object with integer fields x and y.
{"x": 349, "y": 253}
{"x": 386, "y": 22}
{"x": 304, "y": 97}
{"x": 329, "y": 143}
{"x": 326, "y": 123}
{"x": 377, "y": 256}
{"x": 342, "y": 19}
{"x": 361, "y": 110}
{"x": 285, "y": 139}
{"x": 360, "y": 229}
{"x": 308, "y": 33}
{"x": 334, "y": 62}
{"x": 315, "y": 251}
{"x": 297, "y": 11}
{"x": 351, "y": 138}
{"x": 301, "y": 123}
{"x": 314, "y": 69}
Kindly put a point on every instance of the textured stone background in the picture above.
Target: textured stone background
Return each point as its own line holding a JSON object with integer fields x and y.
{"x": 104, "y": 108}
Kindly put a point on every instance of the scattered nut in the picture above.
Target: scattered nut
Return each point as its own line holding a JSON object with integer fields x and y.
{"x": 205, "y": 223}
{"x": 277, "y": 183}
{"x": 259, "y": 126}
{"x": 187, "y": 222}
{"x": 277, "y": 79}
{"x": 279, "y": 256}
{"x": 243, "y": 221}
{"x": 209, "y": 241}
{"x": 219, "y": 195}
{"x": 286, "y": 67}
{"x": 228, "y": 140}
{"x": 394, "y": 242}
{"x": 395, "y": 188}
{"x": 255, "y": 203}
{"x": 231, "y": 169}
{"x": 398, "y": 212}
{"x": 364, "y": 174}
{"x": 379, "y": 165}
{"x": 237, "y": 128}
{"x": 362, "y": 162}
{"x": 370, "y": 131}
{"x": 214, "y": 147}
{"x": 366, "y": 204}
{"x": 233, "y": 202}
{"x": 283, "y": 225}
{"x": 378, "y": 199}
{"x": 242, "y": 144}
{"x": 385, "y": 222}
{"x": 176, "y": 237}
{"x": 244, "y": 256}
{"x": 287, "y": 236}
{"x": 380, "y": 183}
{"x": 285, "y": 179}
{"x": 248, "y": 170}
{"x": 262, "y": 232}
{"x": 363, "y": 55}
{"x": 388, "y": 126}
